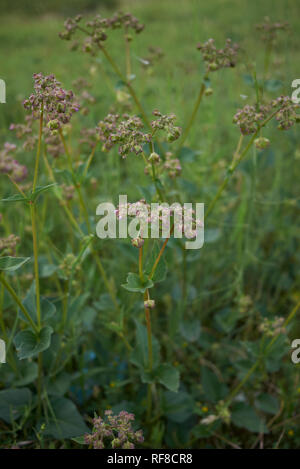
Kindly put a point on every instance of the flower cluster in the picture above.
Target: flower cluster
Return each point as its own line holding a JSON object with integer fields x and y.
{"x": 161, "y": 215}
{"x": 10, "y": 166}
{"x": 249, "y": 118}
{"x": 166, "y": 123}
{"x": 58, "y": 104}
{"x": 287, "y": 115}
{"x": 272, "y": 327}
{"x": 114, "y": 431}
{"x": 67, "y": 265}
{"x": 126, "y": 133}
{"x": 24, "y": 131}
{"x": 8, "y": 245}
{"x": 172, "y": 166}
{"x": 269, "y": 30}
{"x": 214, "y": 58}
{"x": 97, "y": 29}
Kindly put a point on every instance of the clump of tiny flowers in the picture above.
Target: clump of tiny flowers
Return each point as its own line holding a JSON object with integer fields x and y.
{"x": 161, "y": 215}
{"x": 128, "y": 133}
{"x": 8, "y": 245}
{"x": 214, "y": 58}
{"x": 272, "y": 327}
{"x": 172, "y": 166}
{"x": 269, "y": 30}
{"x": 58, "y": 104}
{"x": 114, "y": 431}
{"x": 167, "y": 124}
{"x": 97, "y": 29}
{"x": 9, "y": 165}
{"x": 250, "y": 117}
{"x": 287, "y": 115}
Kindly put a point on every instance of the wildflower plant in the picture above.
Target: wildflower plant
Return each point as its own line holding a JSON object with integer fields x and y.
{"x": 82, "y": 301}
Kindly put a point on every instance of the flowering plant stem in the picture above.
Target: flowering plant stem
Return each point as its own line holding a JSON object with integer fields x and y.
{"x": 77, "y": 186}
{"x": 237, "y": 158}
{"x": 193, "y": 115}
{"x": 17, "y": 300}
{"x": 94, "y": 253}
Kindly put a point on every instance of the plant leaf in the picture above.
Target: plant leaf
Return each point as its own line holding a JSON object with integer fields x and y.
{"x": 244, "y": 416}
{"x": 15, "y": 198}
{"x": 13, "y": 403}
{"x": 10, "y": 264}
{"x": 134, "y": 283}
{"x": 161, "y": 269}
{"x": 29, "y": 344}
{"x": 66, "y": 422}
{"x": 168, "y": 376}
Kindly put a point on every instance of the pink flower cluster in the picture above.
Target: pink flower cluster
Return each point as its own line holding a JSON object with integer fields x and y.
{"x": 9, "y": 165}
{"x": 114, "y": 431}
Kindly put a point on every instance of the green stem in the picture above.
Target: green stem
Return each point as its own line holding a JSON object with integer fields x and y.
{"x": 150, "y": 353}
{"x": 36, "y": 265}
{"x": 38, "y": 152}
{"x": 127, "y": 83}
{"x": 236, "y": 161}
{"x": 2, "y": 323}
{"x": 193, "y": 115}
{"x": 19, "y": 303}
{"x": 160, "y": 254}
{"x": 77, "y": 186}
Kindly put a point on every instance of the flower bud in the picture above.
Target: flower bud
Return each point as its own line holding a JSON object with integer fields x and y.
{"x": 208, "y": 91}
{"x": 137, "y": 242}
{"x": 53, "y": 124}
{"x": 154, "y": 157}
{"x": 261, "y": 143}
{"x": 149, "y": 304}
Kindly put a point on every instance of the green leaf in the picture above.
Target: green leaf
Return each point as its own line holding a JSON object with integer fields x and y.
{"x": 13, "y": 403}
{"x": 41, "y": 189}
{"x": 66, "y": 422}
{"x": 10, "y": 264}
{"x": 139, "y": 356}
{"x": 48, "y": 309}
{"x": 15, "y": 198}
{"x": 29, "y": 344}
{"x": 46, "y": 270}
{"x": 80, "y": 440}
{"x": 168, "y": 376}
{"x": 190, "y": 330}
{"x": 227, "y": 319}
{"x": 161, "y": 269}
{"x": 213, "y": 389}
{"x": 135, "y": 284}
{"x": 60, "y": 384}
{"x": 267, "y": 403}
{"x": 177, "y": 406}
{"x": 28, "y": 373}
{"x": 66, "y": 175}
{"x": 244, "y": 416}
